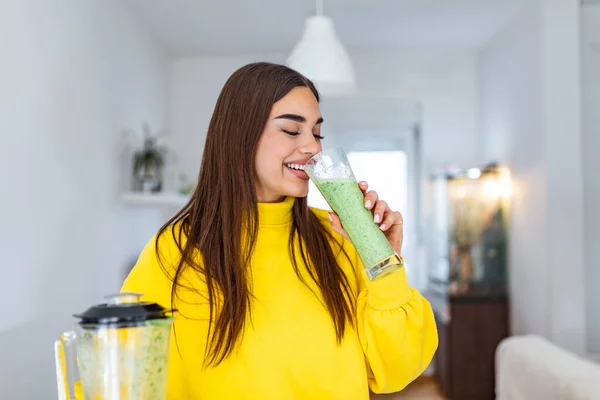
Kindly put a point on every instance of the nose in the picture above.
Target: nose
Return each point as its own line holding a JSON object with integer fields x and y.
{"x": 310, "y": 145}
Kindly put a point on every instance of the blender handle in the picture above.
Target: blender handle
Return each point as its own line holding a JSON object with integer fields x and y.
{"x": 65, "y": 355}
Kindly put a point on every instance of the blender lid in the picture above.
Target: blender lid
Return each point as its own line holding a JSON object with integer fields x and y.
{"x": 123, "y": 308}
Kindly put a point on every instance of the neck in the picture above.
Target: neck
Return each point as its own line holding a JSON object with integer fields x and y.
{"x": 273, "y": 199}
{"x": 276, "y": 212}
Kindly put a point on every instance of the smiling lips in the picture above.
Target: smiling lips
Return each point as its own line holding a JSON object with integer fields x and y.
{"x": 296, "y": 167}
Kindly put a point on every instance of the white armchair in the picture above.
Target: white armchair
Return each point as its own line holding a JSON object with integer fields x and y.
{"x": 530, "y": 368}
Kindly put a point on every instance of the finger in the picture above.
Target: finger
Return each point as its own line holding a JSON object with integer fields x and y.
{"x": 381, "y": 207}
{"x": 363, "y": 186}
{"x": 371, "y": 199}
{"x": 391, "y": 218}
{"x": 336, "y": 224}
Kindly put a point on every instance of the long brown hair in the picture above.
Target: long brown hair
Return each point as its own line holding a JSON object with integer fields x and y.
{"x": 223, "y": 209}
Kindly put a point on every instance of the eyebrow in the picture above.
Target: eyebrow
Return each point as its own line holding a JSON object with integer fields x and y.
{"x": 297, "y": 118}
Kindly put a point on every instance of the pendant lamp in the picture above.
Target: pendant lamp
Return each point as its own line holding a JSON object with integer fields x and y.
{"x": 320, "y": 56}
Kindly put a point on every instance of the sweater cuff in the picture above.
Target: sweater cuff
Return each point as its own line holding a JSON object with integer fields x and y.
{"x": 389, "y": 292}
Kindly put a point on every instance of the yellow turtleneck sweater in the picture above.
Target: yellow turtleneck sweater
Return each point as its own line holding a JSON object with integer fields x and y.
{"x": 289, "y": 350}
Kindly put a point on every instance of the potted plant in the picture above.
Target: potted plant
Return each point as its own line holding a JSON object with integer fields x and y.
{"x": 149, "y": 162}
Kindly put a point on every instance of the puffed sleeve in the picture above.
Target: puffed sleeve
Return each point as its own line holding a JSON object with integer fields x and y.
{"x": 397, "y": 331}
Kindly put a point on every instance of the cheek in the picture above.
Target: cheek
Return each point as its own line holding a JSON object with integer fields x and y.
{"x": 268, "y": 167}
{"x": 272, "y": 151}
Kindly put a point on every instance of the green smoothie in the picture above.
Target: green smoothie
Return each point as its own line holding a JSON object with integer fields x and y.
{"x": 346, "y": 199}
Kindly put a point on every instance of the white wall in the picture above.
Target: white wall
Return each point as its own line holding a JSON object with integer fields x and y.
{"x": 511, "y": 107}
{"x": 530, "y": 82}
{"x": 73, "y": 75}
{"x": 195, "y": 86}
{"x": 591, "y": 147}
{"x": 445, "y": 85}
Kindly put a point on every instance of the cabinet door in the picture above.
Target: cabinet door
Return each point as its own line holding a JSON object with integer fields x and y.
{"x": 492, "y": 325}
{"x": 442, "y": 358}
{"x": 465, "y": 352}
{"x": 476, "y": 330}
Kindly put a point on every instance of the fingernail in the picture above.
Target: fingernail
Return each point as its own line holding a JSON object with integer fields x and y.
{"x": 368, "y": 204}
{"x": 382, "y": 226}
{"x": 330, "y": 217}
{"x": 376, "y": 219}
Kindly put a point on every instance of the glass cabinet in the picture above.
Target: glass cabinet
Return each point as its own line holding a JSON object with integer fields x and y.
{"x": 470, "y": 223}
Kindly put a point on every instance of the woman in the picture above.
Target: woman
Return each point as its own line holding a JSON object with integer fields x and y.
{"x": 272, "y": 299}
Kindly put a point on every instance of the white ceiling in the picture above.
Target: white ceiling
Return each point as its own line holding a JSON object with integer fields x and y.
{"x": 233, "y": 27}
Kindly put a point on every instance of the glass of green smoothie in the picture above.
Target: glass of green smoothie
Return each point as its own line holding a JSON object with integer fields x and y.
{"x": 332, "y": 175}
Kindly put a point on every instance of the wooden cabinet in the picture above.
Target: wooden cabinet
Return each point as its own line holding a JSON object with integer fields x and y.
{"x": 470, "y": 328}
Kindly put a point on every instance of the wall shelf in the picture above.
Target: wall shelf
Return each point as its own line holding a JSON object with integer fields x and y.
{"x": 169, "y": 199}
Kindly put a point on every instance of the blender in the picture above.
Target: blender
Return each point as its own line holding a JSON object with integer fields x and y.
{"x": 118, "y": 351}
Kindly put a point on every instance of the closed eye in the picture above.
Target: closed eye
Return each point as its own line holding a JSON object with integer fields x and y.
{"x": 319, "y": 137}
{"x": 291, "y": 133}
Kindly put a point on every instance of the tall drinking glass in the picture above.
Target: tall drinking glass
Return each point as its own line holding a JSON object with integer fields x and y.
{"x": 332, "y": 175}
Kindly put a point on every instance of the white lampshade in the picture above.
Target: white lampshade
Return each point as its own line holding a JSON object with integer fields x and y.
{"x": 320, "y": 56}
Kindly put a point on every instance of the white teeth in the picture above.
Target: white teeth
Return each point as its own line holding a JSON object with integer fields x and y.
{"x": 296, "y": 166}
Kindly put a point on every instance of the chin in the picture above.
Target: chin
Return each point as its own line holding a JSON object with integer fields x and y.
{"x": 298, "y": 191}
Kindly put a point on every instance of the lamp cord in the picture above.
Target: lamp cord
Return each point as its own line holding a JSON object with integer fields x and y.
{"x": 319, "y": 6}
